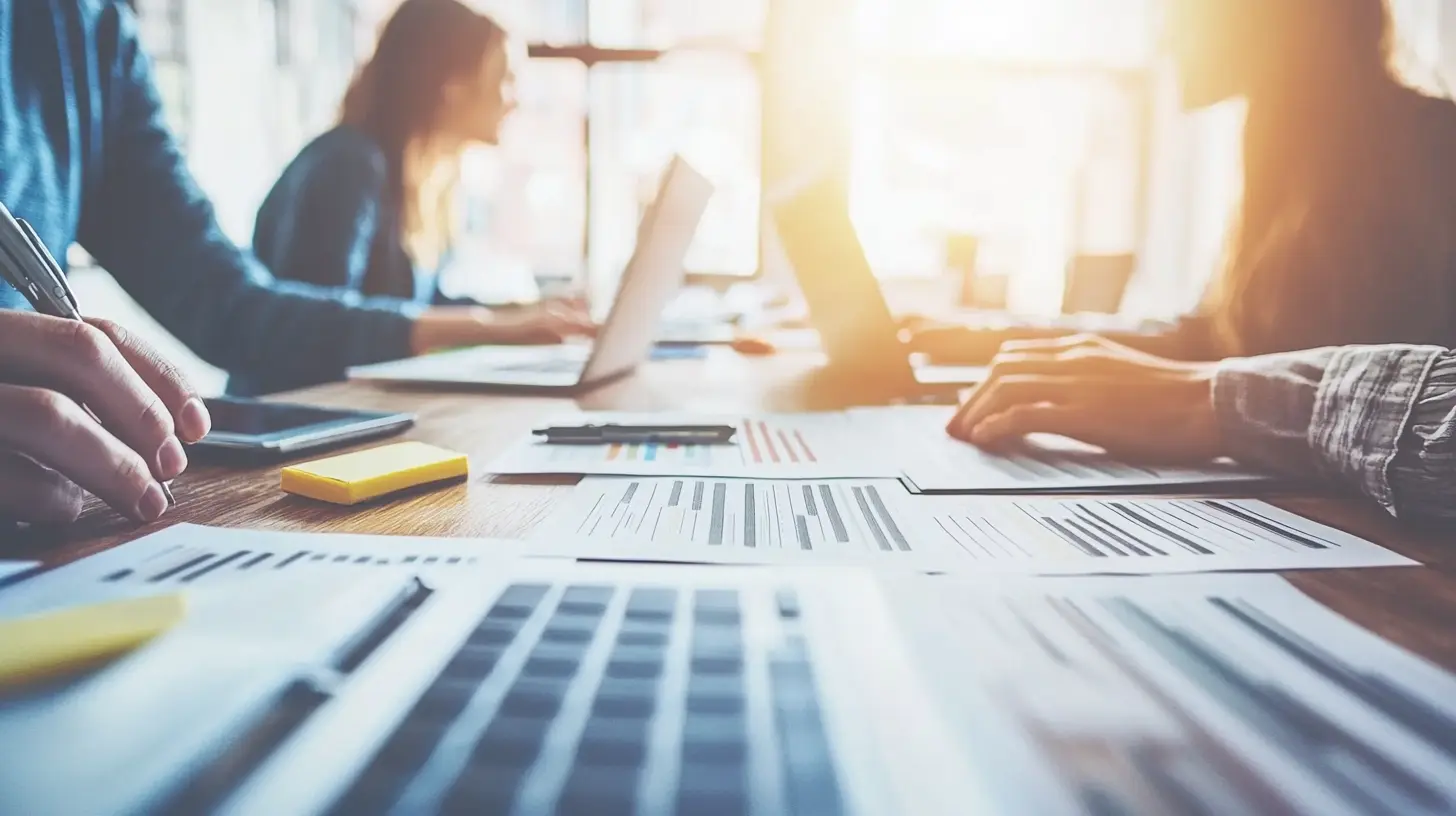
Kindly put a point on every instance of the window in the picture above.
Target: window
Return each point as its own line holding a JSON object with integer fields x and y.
{"x": 1021, "y": 127}
{"x": 612, "y": 90}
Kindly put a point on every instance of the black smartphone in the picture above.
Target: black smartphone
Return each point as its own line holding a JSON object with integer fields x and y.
{"x": 251, "y": 431}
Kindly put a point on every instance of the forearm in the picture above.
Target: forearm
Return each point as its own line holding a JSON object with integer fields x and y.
{"x": 1377, "y": 419}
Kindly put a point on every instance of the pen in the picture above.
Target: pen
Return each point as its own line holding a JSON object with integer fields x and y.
{"x": 638, "y": 434}
{"x": 30, "y": 268}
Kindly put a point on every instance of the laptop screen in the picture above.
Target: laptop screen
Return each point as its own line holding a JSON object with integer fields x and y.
{"x": 654, "y": 273}
{"x": 845, "y": 303}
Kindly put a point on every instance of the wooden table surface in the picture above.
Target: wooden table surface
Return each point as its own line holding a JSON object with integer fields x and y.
{"x": 1413, "y": 606}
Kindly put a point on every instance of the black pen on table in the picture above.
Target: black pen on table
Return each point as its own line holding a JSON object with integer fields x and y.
{"x": 638, "y": 434}
{"x": 31, "y": 269}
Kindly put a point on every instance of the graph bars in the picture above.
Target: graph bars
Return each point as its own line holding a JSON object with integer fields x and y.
{"x": 749, "y": 514}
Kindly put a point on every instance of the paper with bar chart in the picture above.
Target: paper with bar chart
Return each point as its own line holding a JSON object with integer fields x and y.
{"x": 1191, "y": 694}
{"x": 793, "y": 446}
{"x": 189, "y": 555}
{"x": 1117, "y": 535}
{"x": 875, "y": 521}
{"x": 840, "y": 521}
{"x": 933, "y": 462}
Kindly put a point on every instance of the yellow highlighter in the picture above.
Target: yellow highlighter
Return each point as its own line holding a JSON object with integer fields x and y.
{"x": 357, "y": 477}
{"x": 57, "y": 643}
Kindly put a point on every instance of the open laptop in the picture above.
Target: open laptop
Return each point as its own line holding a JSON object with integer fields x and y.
{"x": 846, "y": 306}
{"x": 652, "y": 276}
{"x": 539, "y": 686}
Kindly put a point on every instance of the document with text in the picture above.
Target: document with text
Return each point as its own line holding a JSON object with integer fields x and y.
{"x": 875, "y": 521}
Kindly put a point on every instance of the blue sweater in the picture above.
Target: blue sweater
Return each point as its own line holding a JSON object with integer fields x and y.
{"x": 330, "y": 220}
{"x": 86, "y": 157}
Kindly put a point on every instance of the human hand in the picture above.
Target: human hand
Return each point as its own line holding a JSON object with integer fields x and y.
{"x": 550, "y": 322}
{"x": 955, "y": 344}
{"x": 454, "y": 326}
{"x": 1131, "y": 404}
{"x": 52, "y": 449}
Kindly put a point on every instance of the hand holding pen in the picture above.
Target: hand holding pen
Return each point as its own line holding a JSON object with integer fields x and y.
{"x": 83, "y": 404}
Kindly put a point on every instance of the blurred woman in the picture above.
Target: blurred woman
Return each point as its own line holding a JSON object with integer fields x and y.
{"x": 1345, "y": 231}
{"x": 369, "y": 206}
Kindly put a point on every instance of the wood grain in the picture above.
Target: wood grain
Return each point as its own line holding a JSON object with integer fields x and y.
{"x": 1415, "y": 607}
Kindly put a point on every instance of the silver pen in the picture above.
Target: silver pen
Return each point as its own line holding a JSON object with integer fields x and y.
{"x": 29, "y": 266}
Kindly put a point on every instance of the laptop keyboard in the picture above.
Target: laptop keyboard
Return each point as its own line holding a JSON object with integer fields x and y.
{"x": 598, "y": 699}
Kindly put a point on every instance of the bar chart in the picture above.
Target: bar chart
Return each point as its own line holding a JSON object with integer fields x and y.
{"x": 1215, "y": 694}
{"x": 712, "y": 516}
{"x": 188, "y": 555}
{"x": 1141, "y": 535}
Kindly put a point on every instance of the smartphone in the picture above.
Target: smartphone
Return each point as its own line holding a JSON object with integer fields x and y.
{"x": 252, "y": 431}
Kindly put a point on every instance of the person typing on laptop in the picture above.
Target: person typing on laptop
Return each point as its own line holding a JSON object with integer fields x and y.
{"x": 1343, "y": 233}
{"x": 368, "y": 208}
{"x": 86, "y": 157}
{"x": 1380, "y": 420}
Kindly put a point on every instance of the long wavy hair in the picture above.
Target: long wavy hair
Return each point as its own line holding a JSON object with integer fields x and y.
{"x": 396, "y": 96}
{"x": 1344, "y": 232}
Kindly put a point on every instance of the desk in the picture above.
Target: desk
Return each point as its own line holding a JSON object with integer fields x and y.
{"x": 1415, "y": 607}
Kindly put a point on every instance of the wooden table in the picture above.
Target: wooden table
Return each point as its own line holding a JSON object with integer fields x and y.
{"x": 1415, "y": 607}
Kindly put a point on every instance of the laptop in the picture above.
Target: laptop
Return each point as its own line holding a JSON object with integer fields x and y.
{"x": 846, "y": 306}
{"x": 538, "y": 686}
{"x": 653, "y": 275}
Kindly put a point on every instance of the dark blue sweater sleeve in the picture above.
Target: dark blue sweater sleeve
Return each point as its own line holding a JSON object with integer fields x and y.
{"x": 322, "y": 217}
{"x": 145, "y": 220}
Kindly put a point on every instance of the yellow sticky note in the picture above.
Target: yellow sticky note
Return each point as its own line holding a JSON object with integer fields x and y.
{"x": 369, "y": 474}
{"x": 55, "y": 643}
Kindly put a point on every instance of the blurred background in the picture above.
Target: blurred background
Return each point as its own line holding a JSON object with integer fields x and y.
{"x": 1026, "y": 155}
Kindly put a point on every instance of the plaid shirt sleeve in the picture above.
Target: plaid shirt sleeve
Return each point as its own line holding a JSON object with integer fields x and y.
{"x": 1379, "y": 419}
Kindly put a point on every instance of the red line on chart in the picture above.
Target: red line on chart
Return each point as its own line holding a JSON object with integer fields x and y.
{"x": 808, "y": 451}
{"x": 752, "y": 442}
{"x": 773, "y": 452}
{"x": 788, "y": 446}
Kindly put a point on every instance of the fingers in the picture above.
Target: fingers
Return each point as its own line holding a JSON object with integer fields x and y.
{"x": 1054, "y": 345}
{"x": 53, "y": 430}
{"x": 568, "y": 322}
{"x": 36, "y": 494}
{"x": 82, "y": 362}
{"x": 1008, "y": 392}
{"x": 1081, "y": 422}
{"x": 187, "y": 409}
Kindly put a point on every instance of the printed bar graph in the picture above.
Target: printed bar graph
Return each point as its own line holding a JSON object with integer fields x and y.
{"x": 877, "y": 521}
{"x": 1138, "y": 535}
{"x": 683, "y": 516}
{"x": 1197, "y": 694}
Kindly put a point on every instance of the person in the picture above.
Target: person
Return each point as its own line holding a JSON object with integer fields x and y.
{"x": 1380, "y": 420}
{"x": 85, "y": 157}
{"x": 368, "y": 206}
{"x": 1345, "y": 231}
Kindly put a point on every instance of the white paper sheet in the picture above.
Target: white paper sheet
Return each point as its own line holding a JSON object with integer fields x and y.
{"x": 791, "y": 446}
{"x": 764, "y": 521}
{"x": 191, "y": 555}
{"x": 1238, "y": 693}
{"x": 719, "y": 520}
{"x": 1120, "y": 535}
{"x": 932, "y": 461}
